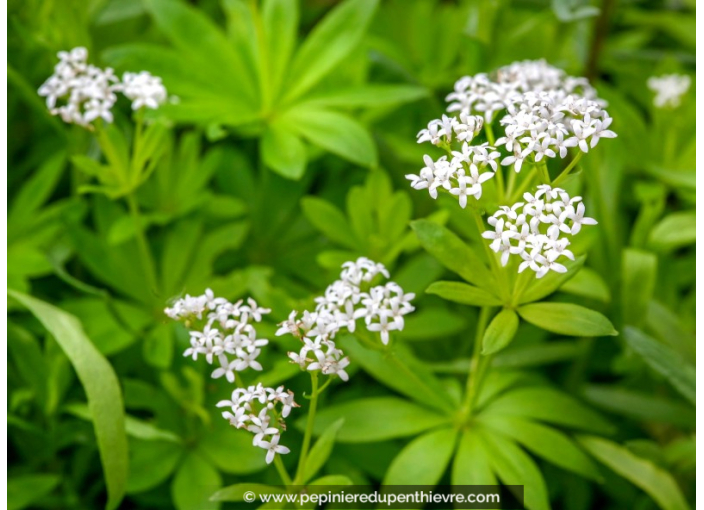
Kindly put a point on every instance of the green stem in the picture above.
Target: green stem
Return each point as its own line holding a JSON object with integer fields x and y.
{"x": 285, "y": 478}
{"x": 309, "y": 428}
{"x": 511, "y": 183}
{"x": 521, "y": 285}
{"x": 498, "y": 271}
{"x": 144, "y": 250}
{"x": 525, "y": 184}
{"x": 542, "y": 167}
{"x": 476, "y": 372}
{"x": 489, "y": 133}
{"x": 566, "y": 171}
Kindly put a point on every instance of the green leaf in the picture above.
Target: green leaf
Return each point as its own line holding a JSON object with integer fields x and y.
{"x": 551, "y": 282}
{"x": 567, "y": 319}
{"x": 431, "y": 324}
{"x": 546, "y": 442}
{"x": 514, "y": 467}
{"x": 328, "y": 44}
{"x": 321, "y": 450}
{"x": 453, "y": 253}
{"x": 424, "y": 460}
{"x": 101, "y": 386}
{"x": 471, "y": 465}
{"x": 283, "y": 152}
{"x": 537, "y": 355}
{"x": 376, "y": 94}
{"x": 500, "y": 331}
{"x": 640, "y": 405}
{"x": 193, "y": 484}
{"x": 374, "y": 419}
{"x": 587, "y": 283}
{"x": 334, "y": 132}
{"x": 36, "y": 190}
{"x": 674, "y": 231}
{"x": 401, "y": 371}
{"x": 639, "y": 271}
{"x": 321, "y": 484}
{"x": 640, "y": 472}
{"x": 24, "y": 490}
{"x": 236, "y": 492}
{"x": 200, "y": 40}
{"x": 463, "y": 293}
{"x": 329, "y": 220}
{"x": 280, "y": 20}
{"x": 230, "y": 450}
{"x": 549, "y": 405}
{"x": 158, "y": 346}
{"x": 665, "y": 361}
{"x": 133, "y": 426}
{"x": 151, "y": 462}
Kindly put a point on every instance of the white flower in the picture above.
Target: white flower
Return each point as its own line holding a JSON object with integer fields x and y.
{"x": 144, "y": 90}
{"x": 273, "y": 447}
{"x": 383, "y": 327}
{"x": 89, "y": 93}
{"x": 532, "y": 229}
{"x": 669, "y": 89}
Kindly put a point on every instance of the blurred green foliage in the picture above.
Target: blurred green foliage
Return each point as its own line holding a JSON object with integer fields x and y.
{"x": 285, "y": 156}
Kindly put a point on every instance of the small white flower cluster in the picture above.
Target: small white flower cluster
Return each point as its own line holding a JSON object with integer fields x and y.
{"x": 382, "y": 307}
{"x": 254, "y": 409}
{"x": 532, "y": 229}
{"x": 90, "y": 92}
{"x": 227, "y": 331}
{"x": 462, "y": 176}
{"x": 547, "y": 112}
{"x": 669, "y": 89}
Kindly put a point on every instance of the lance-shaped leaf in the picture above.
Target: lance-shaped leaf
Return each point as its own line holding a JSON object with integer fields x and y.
{"x": 543, "y": 287}
{"x": 567, "y": 319}
{"x": 665, "y": 361}
{"x": 641, "y": 472}
{"x": 328, "y": 44}
{"x": 101, "y": 386}
{"x": 376, "y": 419}
{"x": 424, "y": 460}
{"x": 321, "y": 450}
{"x": 463, "y": 293}
{"x": 500, "y": 331}
{"x": 453, "y": 253}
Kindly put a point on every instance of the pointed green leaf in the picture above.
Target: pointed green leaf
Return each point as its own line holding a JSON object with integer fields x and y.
{"x": 376, "y": 94}
{"x": 334, "y": 132}
{"x": 195, "y": 481}
{"x": 471, "y": 465}
{"x": 369, "y": 420}
{"x": 639, "y": 271}
{"x": 328, "y": 44}
{"x": 424, "y": 460}
{"x": 549, "y": 405}
{"x": 515, "y": 467}
{"x": 23, "y": 490}
{"x": 567, "y": 319}
{"x": 280, "y": 19}
{"x": 665, "y": 361}
{"x": 101, "y": 386}
{"x": 546, "y": 442}
{"x": 283, "y": 152}
{"x": 463, "y": 293}
{"x": 321, "y": 450}
{"x": 329, "y": 220}
{"x": 551, "y": 282}
{"x": 675, "y": 231}
{"x": 658, "y": 483}
{"x": 500, "y": 331}
{"x": 453, "y": 253}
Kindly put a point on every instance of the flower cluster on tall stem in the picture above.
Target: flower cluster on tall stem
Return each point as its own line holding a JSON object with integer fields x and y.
{"x": 87, "y": 92}
{"x": 224, "y": 332}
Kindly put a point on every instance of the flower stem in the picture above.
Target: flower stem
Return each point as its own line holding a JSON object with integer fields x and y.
{"x": 285, "y": 478}
{"x": 478, "y": 365}
{"x": 566, "y": 171}
{"x": 145, "y": 253}
{"x": 523, "y": 186}
{"x": 498, "y": 271}
{"x": 309, "y": 428}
